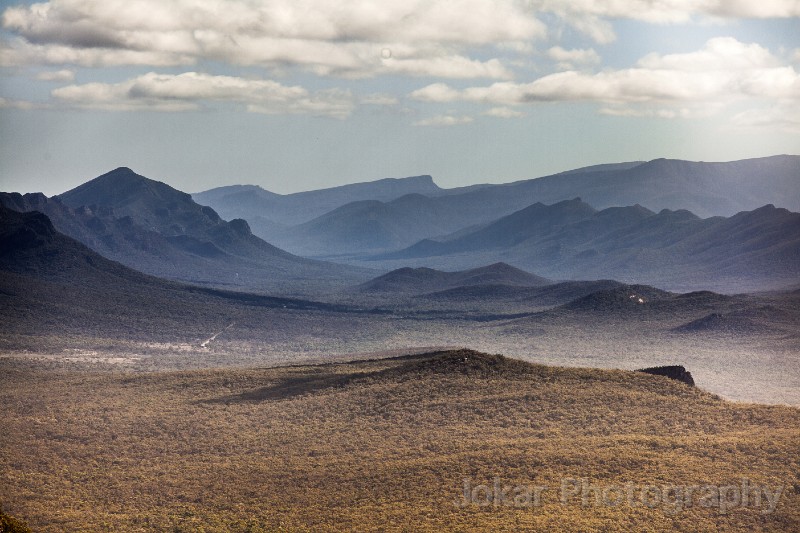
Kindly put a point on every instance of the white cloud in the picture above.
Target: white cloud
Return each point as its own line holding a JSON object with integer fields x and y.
{"x": 591, "y": 17}
{"x": 677, "y": 85}
{"x": 18, "y": 52}
{"x": 437, "y": 92}
{"x": 444, "y": 120}
{"x": 753, "y": 9}
{"x": 183, "y": 92}
{"x": 344, "y": 38}
{"x": 780, "y": 117}
{"x": 667, "y": 113}
{"x": 503, "y": 112}
{"x": 447, "y": 67}
{"x": 568, "y": 59}
{"x": 347, "y": 38}
{"x": 56, "y": 75}
{"x": 672, "y": 11}
{"x": 379, "y": 99}
{"x": 10, "y": 103}
{"x": 719, "y": 53}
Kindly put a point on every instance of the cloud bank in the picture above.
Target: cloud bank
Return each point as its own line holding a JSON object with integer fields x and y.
{"x": 187, "y": 91}
{"x": 724, "y": 71}
{"x": 476, "y": 51}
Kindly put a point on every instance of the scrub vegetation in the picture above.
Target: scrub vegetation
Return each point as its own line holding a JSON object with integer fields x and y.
{"x": 384, "y": 444}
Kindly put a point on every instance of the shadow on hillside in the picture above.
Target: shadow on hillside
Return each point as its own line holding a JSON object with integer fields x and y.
{"x": 462, "y": 362}
{"x": 285, "y": 388}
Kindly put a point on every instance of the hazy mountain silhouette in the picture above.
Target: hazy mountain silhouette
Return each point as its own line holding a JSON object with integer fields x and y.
{"x": 706, "y": 189}
{"x": 420, "y": 280}
{"x": 51, "y": 284}
{"x": 373, "y": 226}
{"x": 151, "y": 227}
{"x": 570, "y": 240}
{"x": 323, "y": 223}
{"x": 246, "y": 201}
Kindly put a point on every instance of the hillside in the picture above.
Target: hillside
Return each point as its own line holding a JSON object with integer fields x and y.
{"x": 705, "y": 189}
{"x": 31, "y": 246}
{"x": 61, "y": 301}
{"x": 156, "y": 229}
{"x": 420, "y": 280}
{"x": 674, "y": 249}
{"x": 54, "y": 290}
{"x": 369, "y": 226}
{"x": 411, "y": 443}
{"x": 251, "y": 201}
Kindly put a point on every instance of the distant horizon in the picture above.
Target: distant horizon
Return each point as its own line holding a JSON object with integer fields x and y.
{"x": 433, "y": 177}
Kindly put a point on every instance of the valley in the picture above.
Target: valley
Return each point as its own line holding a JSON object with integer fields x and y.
{"x": 155, "y": 354}
{"x": 414, "y": 266}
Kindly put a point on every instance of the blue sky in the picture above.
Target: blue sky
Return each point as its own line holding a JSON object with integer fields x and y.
{"x": 301, "y": 94}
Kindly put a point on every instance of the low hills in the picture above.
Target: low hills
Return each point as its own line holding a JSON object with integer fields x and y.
{"x": 421, "y": 280}
{"x": 624, "y": 297}
{"x": 521, "y": 297}
{"x": 755, "y": 320}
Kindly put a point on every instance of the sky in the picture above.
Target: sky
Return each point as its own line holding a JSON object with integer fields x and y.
{"x": 298, "y": 95}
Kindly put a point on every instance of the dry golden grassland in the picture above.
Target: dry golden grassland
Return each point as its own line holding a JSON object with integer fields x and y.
{"x": 383, "y": 445}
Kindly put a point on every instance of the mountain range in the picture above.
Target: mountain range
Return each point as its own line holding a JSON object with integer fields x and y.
{"x": 151, "y": 227}
{"x": 71, "y": 288}
{"x": 244, "y": 201}
{"x": 53, "y": 285}
{"x": 385, "y": 215}
{"x": 57, "y": 296}
{"x": 671, "y": 249}
{"x": 156, "y": 229}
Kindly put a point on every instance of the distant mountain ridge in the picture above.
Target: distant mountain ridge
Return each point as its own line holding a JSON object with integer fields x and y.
{"x": 572, "y": 240}
{"x": 245, "y": 201}
{"x": 429, "y": 212}
{"x": 53, "y": 285}
{"x": 149, "y": 226}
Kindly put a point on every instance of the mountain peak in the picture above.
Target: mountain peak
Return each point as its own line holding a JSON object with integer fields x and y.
{"x": 121, "y": 171}
{"x": 119, "y": 188}
{"x": 121, "y": 174}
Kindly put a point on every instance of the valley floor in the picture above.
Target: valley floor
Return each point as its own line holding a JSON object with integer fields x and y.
{"x": 760, "y": 368}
